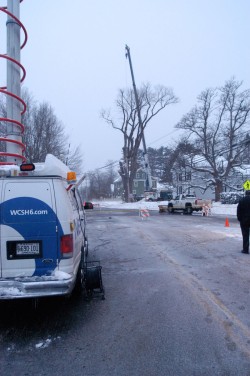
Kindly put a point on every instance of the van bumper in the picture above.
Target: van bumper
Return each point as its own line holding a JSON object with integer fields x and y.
{"x": 18, "y": 289}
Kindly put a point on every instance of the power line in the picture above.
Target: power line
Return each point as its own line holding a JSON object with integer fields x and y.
{"x": 201, "y": 159}
{"x": 166, "y": 135}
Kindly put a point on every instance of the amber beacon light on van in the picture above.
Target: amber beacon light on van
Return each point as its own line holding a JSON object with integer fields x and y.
{"x": 71, "y": 177}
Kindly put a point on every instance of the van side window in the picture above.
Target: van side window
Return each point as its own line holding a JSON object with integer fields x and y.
{"x": 78, "y": 199}
{"x": 73, "y": 200}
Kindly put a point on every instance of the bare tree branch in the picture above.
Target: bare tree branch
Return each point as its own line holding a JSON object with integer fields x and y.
{"x": 218, "y": 126}
{"x": 151, "y": 101}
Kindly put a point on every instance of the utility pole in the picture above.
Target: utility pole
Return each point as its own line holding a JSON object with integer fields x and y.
{"x": 146, "y": 161}
{"x": 13, "y": 80}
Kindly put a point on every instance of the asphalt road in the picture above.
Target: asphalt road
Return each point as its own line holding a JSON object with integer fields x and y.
{"x": 177, "y": 303}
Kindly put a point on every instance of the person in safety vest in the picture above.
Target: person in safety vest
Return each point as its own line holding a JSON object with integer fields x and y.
{"x": 243, "y": 215}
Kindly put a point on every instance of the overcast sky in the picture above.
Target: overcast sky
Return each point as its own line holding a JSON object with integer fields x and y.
{"x": 75, "y": 60}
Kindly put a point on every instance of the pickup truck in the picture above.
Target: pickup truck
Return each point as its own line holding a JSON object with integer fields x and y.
{"x": 185, "y": 203}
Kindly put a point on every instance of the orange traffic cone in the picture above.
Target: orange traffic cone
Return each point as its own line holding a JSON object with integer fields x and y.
{"x": 226, "y": 222}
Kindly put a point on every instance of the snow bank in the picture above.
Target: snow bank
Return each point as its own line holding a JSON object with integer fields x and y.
{"x": 217, "y": 207}
{"x": 225, "y": 209}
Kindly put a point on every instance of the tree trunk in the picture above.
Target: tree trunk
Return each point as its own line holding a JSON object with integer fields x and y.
{"x": 125, "y": 187}
{"x": 218, "y": 190}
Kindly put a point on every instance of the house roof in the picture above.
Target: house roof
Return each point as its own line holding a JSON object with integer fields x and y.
{"x": 244, "y": 170}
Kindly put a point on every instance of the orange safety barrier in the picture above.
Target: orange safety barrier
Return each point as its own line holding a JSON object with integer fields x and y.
{"x": 143, "y": 213}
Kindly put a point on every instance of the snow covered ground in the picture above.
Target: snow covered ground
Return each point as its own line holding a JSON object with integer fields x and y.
{"x": 217, "y": 208}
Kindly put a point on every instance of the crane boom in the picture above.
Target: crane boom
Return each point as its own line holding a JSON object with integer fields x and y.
{"x": 146, "y": 160}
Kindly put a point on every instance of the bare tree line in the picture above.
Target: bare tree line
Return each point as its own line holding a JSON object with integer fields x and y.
{"x": 98, "y": 183}
{"x": 217, "y": 128}
{"x": 214, "y": 142}
{"x": 214, "y": 130}
{"x": 151, "y": 102}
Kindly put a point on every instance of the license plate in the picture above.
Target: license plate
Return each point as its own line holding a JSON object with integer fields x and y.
{"x": 23, "y": 249}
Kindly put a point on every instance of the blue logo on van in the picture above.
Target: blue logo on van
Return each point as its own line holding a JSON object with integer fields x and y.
{"x": 35, "y": 221}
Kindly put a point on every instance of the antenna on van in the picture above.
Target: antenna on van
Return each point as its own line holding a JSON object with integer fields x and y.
{"x": 11, "y": 144}
{"x": 67, "y": 158}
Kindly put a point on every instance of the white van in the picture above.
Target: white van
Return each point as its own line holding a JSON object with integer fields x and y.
{"x": 43, "y": 244}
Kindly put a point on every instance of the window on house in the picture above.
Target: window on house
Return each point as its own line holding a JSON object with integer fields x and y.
{"x": 180, "y": 177}
{"x": 188, "y": 176}
{"x": 135, "y": 184}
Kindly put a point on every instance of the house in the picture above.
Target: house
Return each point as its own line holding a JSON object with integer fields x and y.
{"x": 187, "y": 181}
{"x": 238, "y": 178}
{"x": 139, "y": 184}
{"x": 118, "y": 187}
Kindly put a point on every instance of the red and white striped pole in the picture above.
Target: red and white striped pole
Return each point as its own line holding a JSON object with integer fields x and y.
{"x": 15, "y": 106}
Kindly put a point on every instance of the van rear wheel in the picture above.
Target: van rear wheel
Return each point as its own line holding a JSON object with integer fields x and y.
{"x": 80, "y": 278}
{"x": 79, "y": 286}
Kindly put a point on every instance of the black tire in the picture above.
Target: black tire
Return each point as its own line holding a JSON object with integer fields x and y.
{"x": 170, "y": 209}
{"x": 189, "y": 210}
{"x": 86, "y": 244}
{"x": 80, "y": 278}
{"x": 79, "y": 286}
